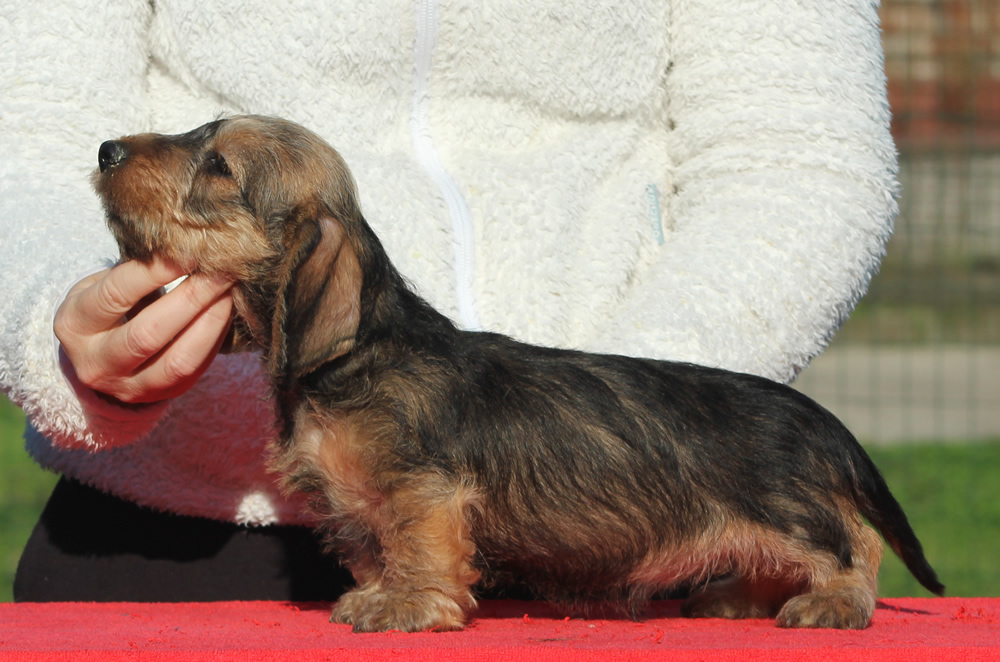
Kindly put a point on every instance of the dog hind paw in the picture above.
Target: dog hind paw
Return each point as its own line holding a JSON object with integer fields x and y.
{"x": 702, "y": 607}
{"x": 826, "y": 609}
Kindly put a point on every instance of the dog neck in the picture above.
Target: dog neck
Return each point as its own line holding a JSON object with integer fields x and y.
{"x": 391, "y": 325}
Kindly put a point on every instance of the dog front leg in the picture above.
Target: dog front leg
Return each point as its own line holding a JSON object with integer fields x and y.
{"x": 424, "y": 572}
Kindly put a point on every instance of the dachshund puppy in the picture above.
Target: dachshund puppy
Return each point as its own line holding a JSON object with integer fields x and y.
{"x": 437, "y": 459}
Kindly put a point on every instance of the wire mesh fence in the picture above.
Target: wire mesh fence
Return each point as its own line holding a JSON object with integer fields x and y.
{"x": 920, "y": 358}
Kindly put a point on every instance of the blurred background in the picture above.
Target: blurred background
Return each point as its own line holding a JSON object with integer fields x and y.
{"x": 920, "y": 357}
{"x": 915, "y": 373}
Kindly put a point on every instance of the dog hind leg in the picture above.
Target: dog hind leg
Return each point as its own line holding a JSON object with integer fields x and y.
{"x": 844, "y": 599}
{"x": 774, "y": 575}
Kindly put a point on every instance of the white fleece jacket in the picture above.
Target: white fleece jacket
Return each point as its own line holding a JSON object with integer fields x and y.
{"x": 686, "y": 179}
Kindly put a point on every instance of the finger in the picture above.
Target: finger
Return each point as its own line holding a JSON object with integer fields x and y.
{"x": 72, "y": 318}
{"x": 87, "y": 282}
{"x": 174, "y": 370}
{"x": 130, "y": 345}
{"x": 102, "y": 303}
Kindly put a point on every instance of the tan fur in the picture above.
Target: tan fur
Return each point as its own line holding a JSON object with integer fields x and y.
{"x": 766, "y": 576}
{"x": 419, "y": 573}
{"x": 427, "y": 554}
{"x": 843, "y": 598}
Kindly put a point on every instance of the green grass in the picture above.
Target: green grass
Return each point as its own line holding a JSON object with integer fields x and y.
{"x": 24, "y": 488}
{"x": 951, "y": 493}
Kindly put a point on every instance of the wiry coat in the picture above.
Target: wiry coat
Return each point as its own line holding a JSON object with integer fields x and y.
{"x": 435, "y": 458}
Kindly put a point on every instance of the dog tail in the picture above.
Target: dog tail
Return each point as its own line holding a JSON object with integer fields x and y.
{"x": 880, "y": 507}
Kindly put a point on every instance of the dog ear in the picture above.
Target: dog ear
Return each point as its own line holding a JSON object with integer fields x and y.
{"x": 318, "y": 303}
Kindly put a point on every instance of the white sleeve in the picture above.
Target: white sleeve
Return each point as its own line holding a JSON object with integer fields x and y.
{"x": 74, "y": 76}
{"x": 784, "y": 184}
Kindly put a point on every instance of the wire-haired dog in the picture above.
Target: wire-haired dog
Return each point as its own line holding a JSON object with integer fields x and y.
{"x": 436, "y": 458}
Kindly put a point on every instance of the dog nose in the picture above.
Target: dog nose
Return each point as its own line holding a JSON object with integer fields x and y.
{"x": 111, "y": 154}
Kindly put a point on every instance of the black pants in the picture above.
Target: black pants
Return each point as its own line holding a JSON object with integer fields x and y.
{"x": 92, "y": 547}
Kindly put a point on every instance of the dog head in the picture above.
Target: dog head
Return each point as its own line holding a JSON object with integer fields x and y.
{"x": 261, "y": 200}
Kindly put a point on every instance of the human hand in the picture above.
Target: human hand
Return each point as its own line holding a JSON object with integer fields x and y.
{"x": 140, "y": 351}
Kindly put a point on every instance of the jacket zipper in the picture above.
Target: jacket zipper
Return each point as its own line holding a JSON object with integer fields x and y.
{"x": 427, "y": 156}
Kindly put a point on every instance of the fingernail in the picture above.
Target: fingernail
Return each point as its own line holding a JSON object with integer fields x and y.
{"x": 174, "y": 283}
{"x": 223, "y": 280}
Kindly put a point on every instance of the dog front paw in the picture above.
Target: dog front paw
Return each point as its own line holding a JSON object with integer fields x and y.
{"x": 376, "y": 610}
{"x": 351, "y": 603}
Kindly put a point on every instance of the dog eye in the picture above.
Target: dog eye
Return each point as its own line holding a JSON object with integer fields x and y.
{"x": 216, "y": 164}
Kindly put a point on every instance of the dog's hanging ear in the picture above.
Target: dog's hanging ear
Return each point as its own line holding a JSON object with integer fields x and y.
{"x": 318, "y": 304}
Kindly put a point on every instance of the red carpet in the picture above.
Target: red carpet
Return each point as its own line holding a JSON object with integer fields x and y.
{"x": 907, "y": 630}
